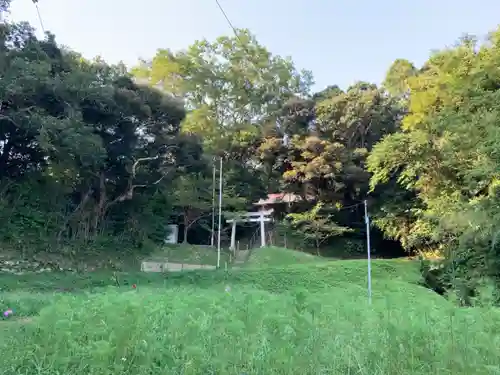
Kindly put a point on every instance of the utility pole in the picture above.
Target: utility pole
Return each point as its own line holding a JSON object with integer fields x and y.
{"x": 220, "y": 213}
{"x": 212, "y": 233}
{"x": 368, "y": 251}
{"x": 35, "y": 2}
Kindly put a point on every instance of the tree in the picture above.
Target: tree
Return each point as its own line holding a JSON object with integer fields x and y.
{"x": 321, "y": 147}
{"x": 4, "y": 6}
{"x": 445, "y": 154}
{"x": 193, "y": 198}
{"x": 233, "y": 88}
{"x": 328, "y": 141}
{"x": 235, "y": 77}
{"x": 87, "y": 132}
{"x": 396, "y": 79}
{"x": 315, "y": 226}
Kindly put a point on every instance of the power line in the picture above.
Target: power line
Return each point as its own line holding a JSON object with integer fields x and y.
{"x": 235, "y": 31}
{"x": 229, "y": 21}
{"x": 35, "y": 2}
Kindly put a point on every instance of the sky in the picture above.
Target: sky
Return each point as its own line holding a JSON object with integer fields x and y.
{"x": 340, "y": 41}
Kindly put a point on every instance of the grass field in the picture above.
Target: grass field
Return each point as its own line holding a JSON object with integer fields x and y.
{"x": 276, "y": 256}
{"x": 307, "y": 318}
{"x": 190, "y": 254}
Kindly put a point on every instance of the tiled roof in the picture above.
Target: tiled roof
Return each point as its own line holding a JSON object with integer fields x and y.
{"x": 280, "y": 198}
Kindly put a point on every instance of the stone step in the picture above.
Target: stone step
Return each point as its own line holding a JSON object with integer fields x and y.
{"x": 241, "y": 256}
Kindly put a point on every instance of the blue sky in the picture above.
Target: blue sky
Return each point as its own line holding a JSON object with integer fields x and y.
{"x": 341, "y": 41}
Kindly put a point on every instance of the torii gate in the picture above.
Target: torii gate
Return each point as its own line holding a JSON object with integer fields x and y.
{"x": 251, "y": 217}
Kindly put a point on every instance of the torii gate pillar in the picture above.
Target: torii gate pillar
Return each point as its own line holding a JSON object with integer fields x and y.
{"x": 262, "y": 230}
{"x": 251, "y": 217}
{"x": 233, "y": 236}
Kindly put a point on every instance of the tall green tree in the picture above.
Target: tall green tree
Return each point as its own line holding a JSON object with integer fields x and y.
{"x": 396, "y": 79}
{"x": 86, "y": 132}
{"x": 320, "y": 151}
{"x": 233, "y": 88}
{"x": 327, "y": 142}
{"x": 446, "y": 155}
{"x": 316, "y": 226}
{"x": 237, "y": 79}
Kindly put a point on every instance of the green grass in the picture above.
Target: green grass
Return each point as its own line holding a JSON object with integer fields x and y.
{"x": 314, "y": 277}
{"x": 277, "y": 256}
{"x": 116, "y": 259}
{"x": 189, "y": 254}
{"x": 309, "y": 318}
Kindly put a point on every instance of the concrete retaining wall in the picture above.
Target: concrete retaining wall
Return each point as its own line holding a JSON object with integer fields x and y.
{"x": 151, "y": 266}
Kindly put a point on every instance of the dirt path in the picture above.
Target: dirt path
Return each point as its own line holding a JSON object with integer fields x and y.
{"x": 241, "y": 256}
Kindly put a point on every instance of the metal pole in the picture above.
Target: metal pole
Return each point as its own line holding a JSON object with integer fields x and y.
{"x": 262, "y": 230}
{"x": 368, "y": 251}
{"x": 220, "y": 214}
{"x": 212, "y": 235}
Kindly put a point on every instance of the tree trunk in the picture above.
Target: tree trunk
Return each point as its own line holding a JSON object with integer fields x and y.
{"x": 100, "y": 209}
{"x": 80, "y": 208}
{"x": 186, "y": 228}
{"x": 4, "y": 157}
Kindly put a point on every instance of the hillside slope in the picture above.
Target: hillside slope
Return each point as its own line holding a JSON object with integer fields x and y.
{"x": 302, "y": 319}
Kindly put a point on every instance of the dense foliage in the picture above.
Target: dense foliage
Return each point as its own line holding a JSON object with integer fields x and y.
{"x": 444, "y": 162}
{"x": 95, "y": 157}
{"x": 85, "y": 151}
